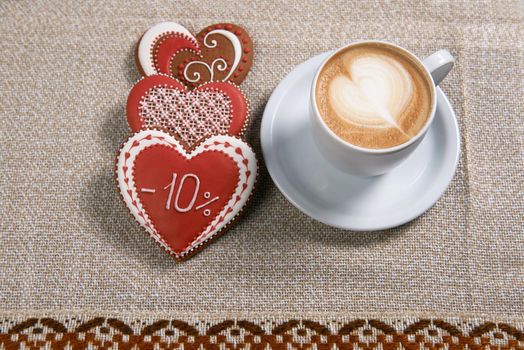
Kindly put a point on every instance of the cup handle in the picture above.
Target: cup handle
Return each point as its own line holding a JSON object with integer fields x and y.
{"x": 439, "y": 65}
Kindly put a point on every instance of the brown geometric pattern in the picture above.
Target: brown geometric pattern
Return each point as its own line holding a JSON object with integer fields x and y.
{"x": 83, "y": 332}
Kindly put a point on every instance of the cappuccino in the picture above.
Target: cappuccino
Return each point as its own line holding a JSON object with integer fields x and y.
{"x": 374, "y": 95}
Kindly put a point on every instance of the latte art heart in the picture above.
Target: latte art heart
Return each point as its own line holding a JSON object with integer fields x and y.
{"x": 375, "y": 92}
{"x": 374, "y": 95}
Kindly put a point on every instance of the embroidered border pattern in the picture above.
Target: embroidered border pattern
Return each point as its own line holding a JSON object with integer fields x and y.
{"x": 82, "y": 332}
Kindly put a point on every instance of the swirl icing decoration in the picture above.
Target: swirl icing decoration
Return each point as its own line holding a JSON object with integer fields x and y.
{"x": 220, "y": 63}
{"x": 219, "y": 53}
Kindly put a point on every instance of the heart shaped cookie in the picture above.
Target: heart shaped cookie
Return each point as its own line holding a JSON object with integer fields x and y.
{"x": 161, "y": 102}
{"x": 220, "y": 52}
{"x": 185, "y": 198}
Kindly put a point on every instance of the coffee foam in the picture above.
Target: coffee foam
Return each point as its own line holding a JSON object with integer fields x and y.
{"x": 374, "y": 96}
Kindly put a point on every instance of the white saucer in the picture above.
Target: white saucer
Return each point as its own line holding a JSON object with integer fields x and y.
{"x": 327, "y": 194}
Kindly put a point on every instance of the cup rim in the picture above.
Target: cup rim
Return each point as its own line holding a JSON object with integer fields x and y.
{"x": 393, "y": 149}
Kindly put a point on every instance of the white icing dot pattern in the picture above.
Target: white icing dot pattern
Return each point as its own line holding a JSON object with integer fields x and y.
{"x": 190, "y": 115}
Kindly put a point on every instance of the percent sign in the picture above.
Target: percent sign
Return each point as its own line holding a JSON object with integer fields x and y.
{"x": 176, "y": 205}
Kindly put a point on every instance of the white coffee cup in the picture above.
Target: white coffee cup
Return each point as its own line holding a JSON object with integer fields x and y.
{"x": 362, "y": 161}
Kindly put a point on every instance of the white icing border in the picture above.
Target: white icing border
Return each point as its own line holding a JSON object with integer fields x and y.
{"x": 148, "y": 40}
{"x": 207, "y": 145}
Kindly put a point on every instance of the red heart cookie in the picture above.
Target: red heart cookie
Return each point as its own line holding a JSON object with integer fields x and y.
{"x": 159, "y": 101}
{"x": 220, "y": 52}
{"x": 184, "y": 198}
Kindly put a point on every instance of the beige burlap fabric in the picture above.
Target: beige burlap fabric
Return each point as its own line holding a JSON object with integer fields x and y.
{"x": 68, "y": 242}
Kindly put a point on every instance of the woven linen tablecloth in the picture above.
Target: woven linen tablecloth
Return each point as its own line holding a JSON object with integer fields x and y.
{"x": 77, "y": 269}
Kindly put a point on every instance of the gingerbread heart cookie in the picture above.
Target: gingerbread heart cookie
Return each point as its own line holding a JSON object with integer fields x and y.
{"x": 184, "y": 198}
{"x": 220, "y": 52}
{"x": 159, "y": 101}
